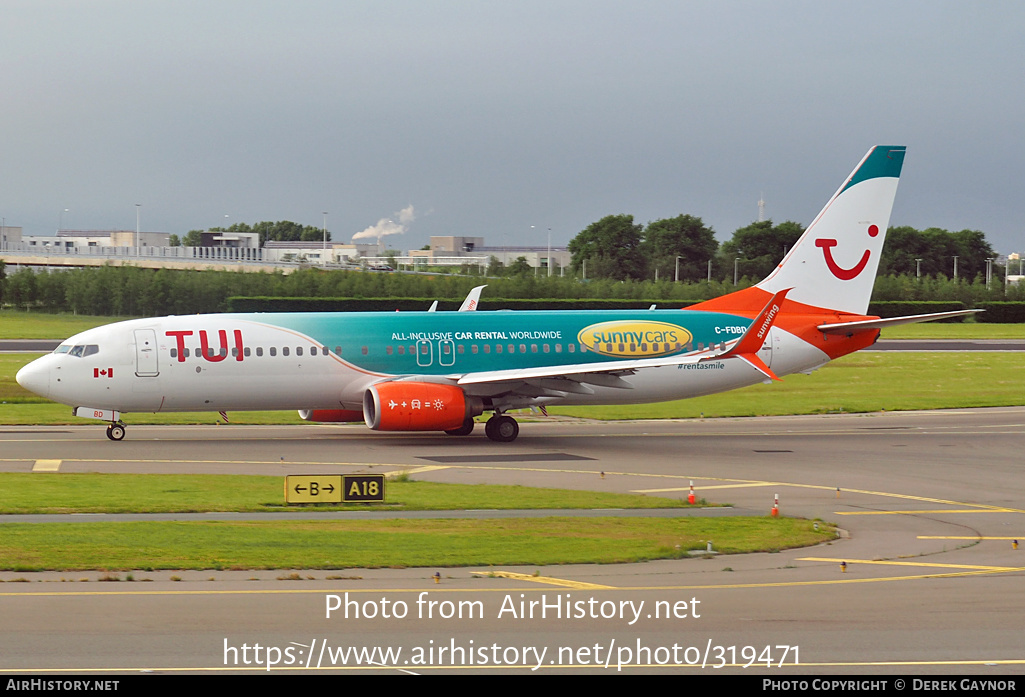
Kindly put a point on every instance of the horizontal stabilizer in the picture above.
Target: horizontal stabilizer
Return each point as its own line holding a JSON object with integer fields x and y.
{"x": 862, "y": 325}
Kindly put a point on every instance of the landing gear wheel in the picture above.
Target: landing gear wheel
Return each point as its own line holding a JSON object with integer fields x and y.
{"x": 502, "y": 429}
{"x": 115, "y": 432}
{"x": 464, "y": 430}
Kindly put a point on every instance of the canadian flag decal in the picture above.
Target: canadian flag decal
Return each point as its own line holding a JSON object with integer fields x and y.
{"x": 103, "y": 372}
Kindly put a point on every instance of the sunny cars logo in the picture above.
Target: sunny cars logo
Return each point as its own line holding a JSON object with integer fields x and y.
{"x": 634, "y": 339}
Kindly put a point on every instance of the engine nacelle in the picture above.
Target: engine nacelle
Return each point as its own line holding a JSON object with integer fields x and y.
{"x": 331, "y": 415}
{"x": 418, "y": 406}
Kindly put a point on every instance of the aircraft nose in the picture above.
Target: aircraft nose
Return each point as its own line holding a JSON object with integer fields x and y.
{"x": 35, "y": 377}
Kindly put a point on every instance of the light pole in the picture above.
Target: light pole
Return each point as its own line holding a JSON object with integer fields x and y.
{"x": 955, "y": 267}
{"x": 989, "y": 271}
{"x": 549, "y": 252}
{"x": 736, "y": 261}
{"x": 324, "y": 254}
{"x": 918, "y": 268}
{"x": 678, "y": 269}
{"x": 60, "y": 221}
{"x": 138, "y": 207}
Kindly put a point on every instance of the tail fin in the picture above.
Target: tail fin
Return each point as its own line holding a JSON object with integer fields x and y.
{"x": 833, "y": 265}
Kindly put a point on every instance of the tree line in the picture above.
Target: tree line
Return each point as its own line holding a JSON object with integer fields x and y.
{"x": 685, "y": 248}
{"x": 132, "y": 291}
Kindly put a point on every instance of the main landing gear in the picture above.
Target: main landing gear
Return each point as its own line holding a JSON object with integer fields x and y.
{"x": 502, "y": 429}
{"x": 116, "y": 431}
{"x": 499, "y": 428}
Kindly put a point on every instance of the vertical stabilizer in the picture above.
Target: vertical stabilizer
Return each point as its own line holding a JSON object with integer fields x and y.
{"x": 833, "y": 266}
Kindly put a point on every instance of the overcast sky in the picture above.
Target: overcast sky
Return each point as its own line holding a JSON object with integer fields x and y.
{"x": 489, "y": 118}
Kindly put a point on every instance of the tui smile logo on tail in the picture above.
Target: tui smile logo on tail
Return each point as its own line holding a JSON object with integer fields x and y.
{"x": 839, "y": 271}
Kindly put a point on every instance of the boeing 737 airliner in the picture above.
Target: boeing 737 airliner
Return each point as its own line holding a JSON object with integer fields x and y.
{"x": 436, "y": 371}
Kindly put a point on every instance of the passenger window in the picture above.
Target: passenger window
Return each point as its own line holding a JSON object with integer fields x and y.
{"x": 338, "y": 350}
{"x": 247, "y": 352}
{"x": 174, "y": 353}
{"x": 284, "y": 350}
{"x": 298, "y": 350}
{"x": 402, "y": 350}
{"x": 487, "y": 348}
{"x": 388, "y": 350}
{"x": 273, "y": 350}
{"x": 365, "y": 350}
{"x": 186, "y": 352}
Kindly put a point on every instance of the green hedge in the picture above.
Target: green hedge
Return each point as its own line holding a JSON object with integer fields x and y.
{"x": 1001, "y": 313}
{"x": 898, "y": 308}
{"x": 269, "y": 304}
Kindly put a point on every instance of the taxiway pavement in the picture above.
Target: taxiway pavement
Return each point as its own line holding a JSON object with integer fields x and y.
{"x": 931, "y": 502}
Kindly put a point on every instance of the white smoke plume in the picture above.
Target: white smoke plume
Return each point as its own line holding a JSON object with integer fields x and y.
{"x": 388, "y": 226}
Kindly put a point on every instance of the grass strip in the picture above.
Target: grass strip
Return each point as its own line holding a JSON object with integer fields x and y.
{"x": 862, "y": 382}
{"x": 389, "y": 543}
{"x": 25, "y": 493}
{"x": 15, "y": 324}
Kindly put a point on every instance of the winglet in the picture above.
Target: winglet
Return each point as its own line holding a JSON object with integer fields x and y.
{"x": 750, "y": 343}
{"x": 472, "y": 299}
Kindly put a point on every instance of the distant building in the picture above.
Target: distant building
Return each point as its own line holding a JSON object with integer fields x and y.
{"x": 72, "y": 239}
{"x": 244, "y": 240}
{"x": 315, "y": 252}
{"x": 9, "y": 235}
{"x": 537, "y": 257}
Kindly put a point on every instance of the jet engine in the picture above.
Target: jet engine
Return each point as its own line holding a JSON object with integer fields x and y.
{"x": 418, "y": 406}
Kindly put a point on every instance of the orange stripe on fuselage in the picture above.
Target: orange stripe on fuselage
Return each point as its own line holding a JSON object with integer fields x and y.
{"x": 797, "y": 318}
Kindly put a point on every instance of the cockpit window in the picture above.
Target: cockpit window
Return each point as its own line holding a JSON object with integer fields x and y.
{"x": 63, "y": 348}
{"x": 81, "y": 350}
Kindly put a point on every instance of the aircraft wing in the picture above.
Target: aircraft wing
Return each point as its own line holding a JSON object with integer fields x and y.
{"x": 583, "y": 372}
{"x": 575, "y": 378}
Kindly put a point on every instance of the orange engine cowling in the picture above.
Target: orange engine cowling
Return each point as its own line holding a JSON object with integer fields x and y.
{"x": 418, "y": 406}
{"x": 330, "y": 415}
